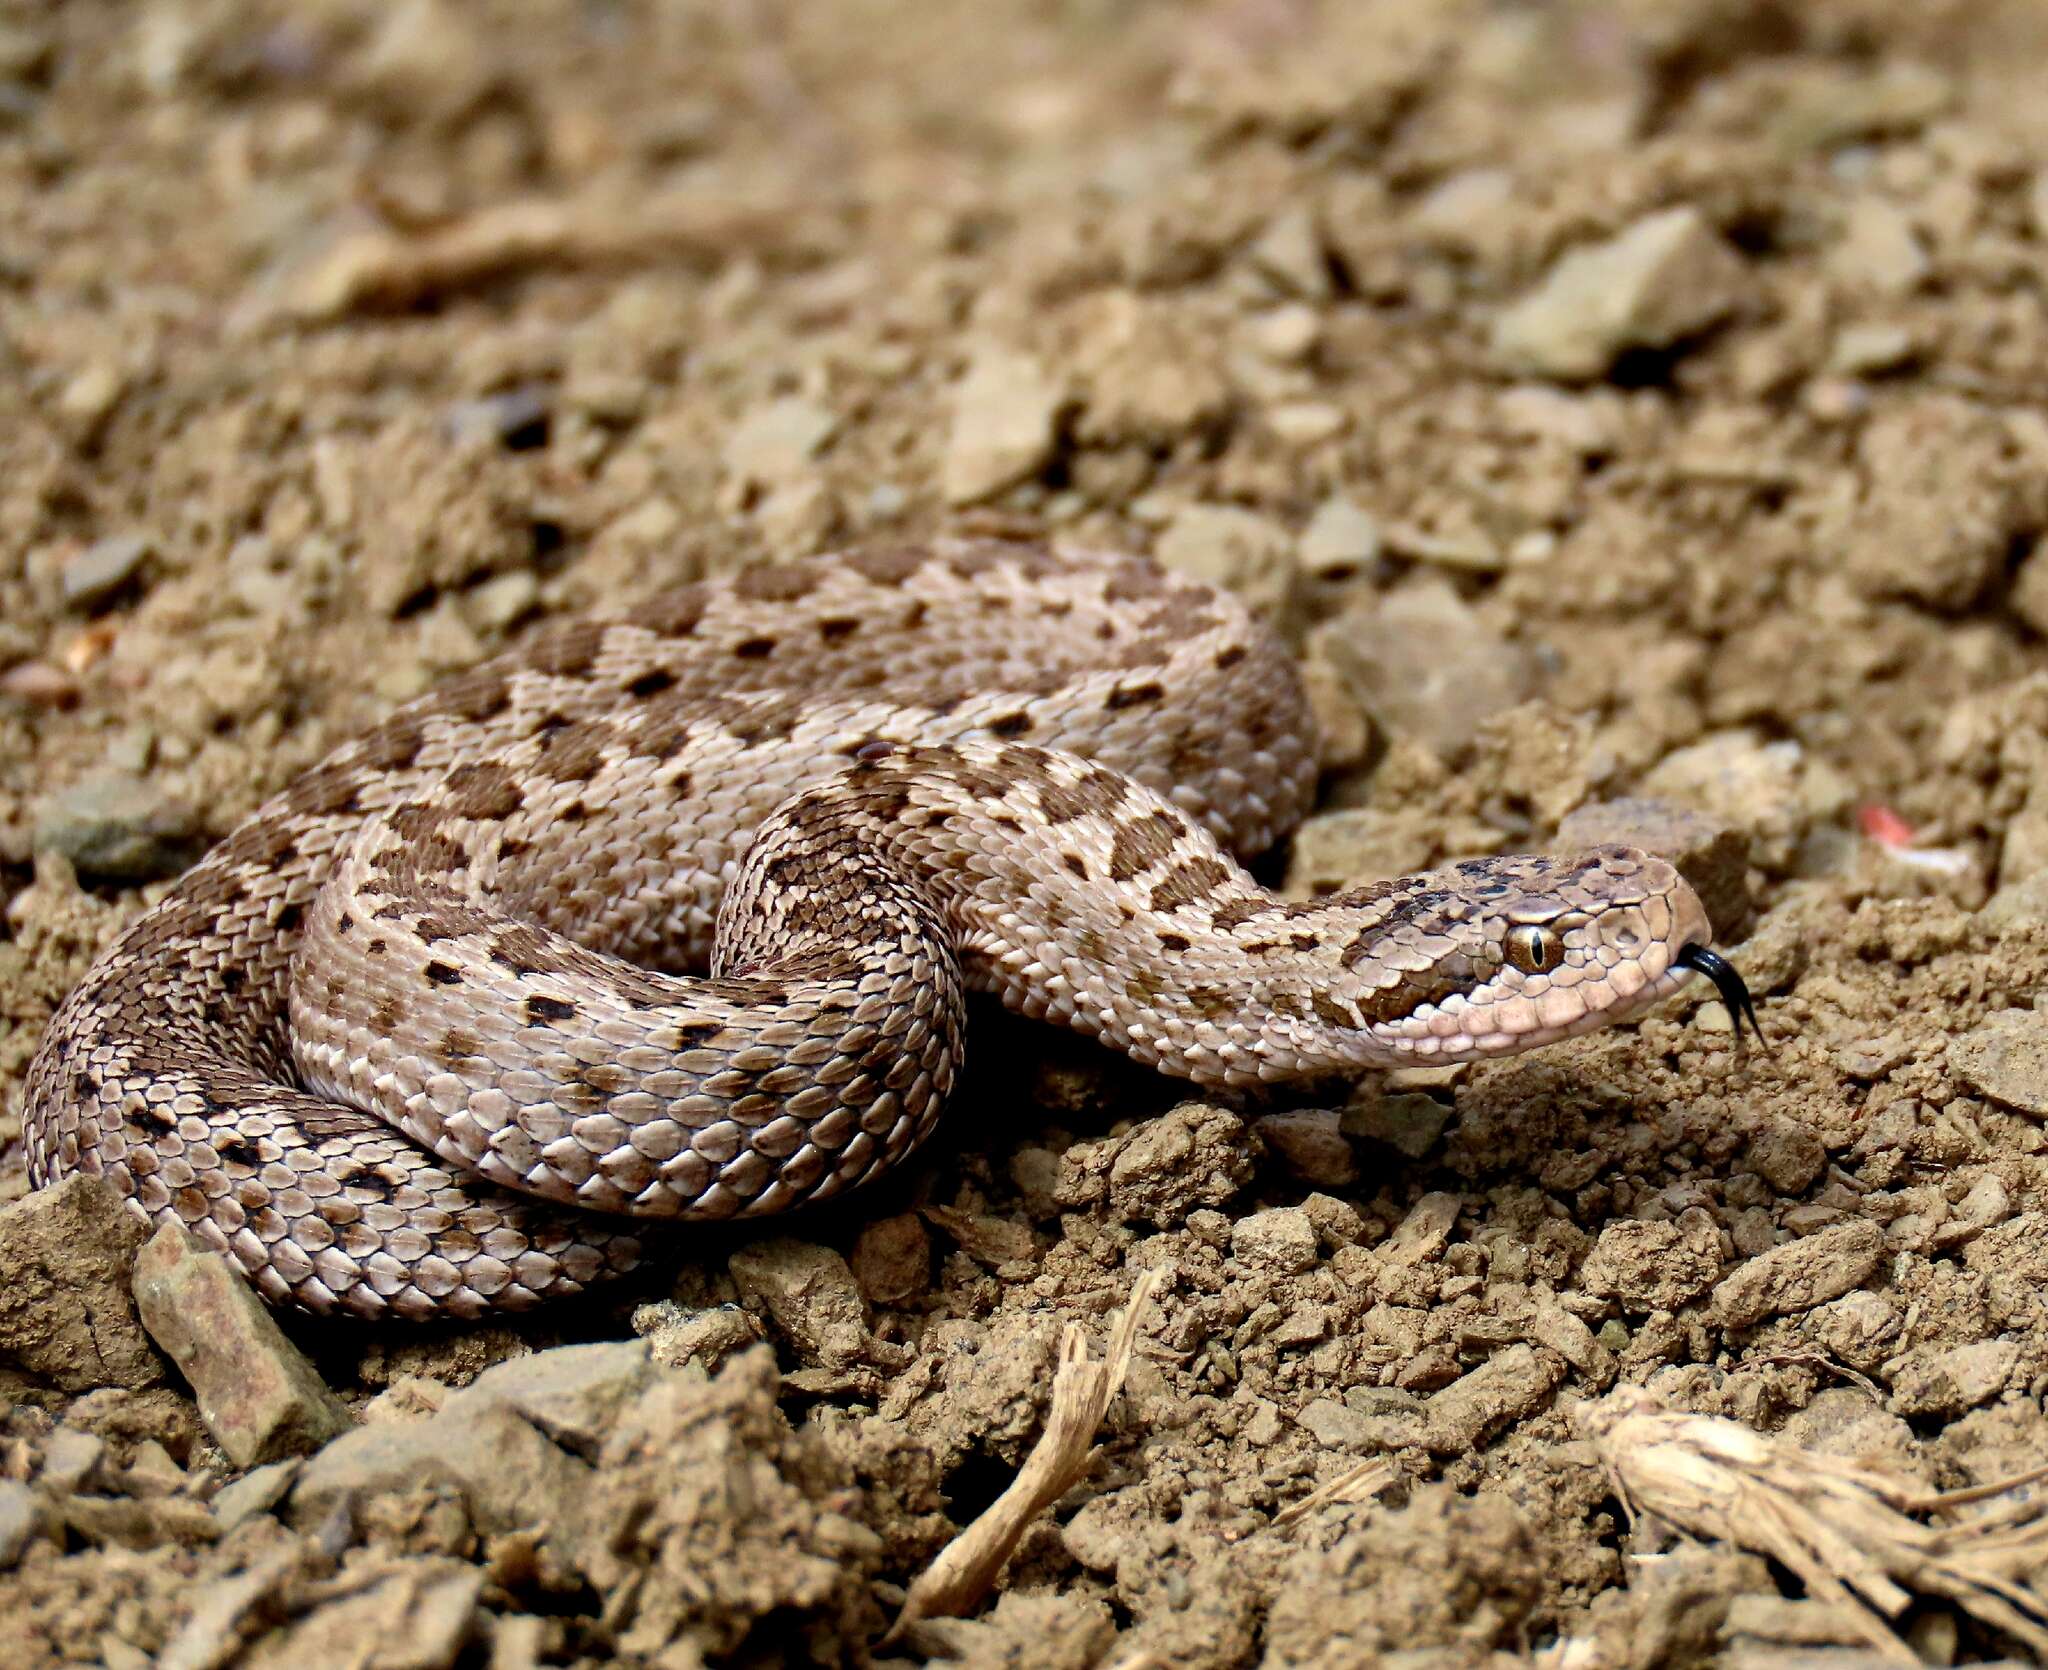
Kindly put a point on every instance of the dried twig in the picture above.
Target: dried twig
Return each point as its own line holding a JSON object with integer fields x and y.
{"x": 1845, "y": 1530}
{"x": 1368, "y": 1478}
{"x": 1081, "y": 1392}
{"x": 381, "y": 268}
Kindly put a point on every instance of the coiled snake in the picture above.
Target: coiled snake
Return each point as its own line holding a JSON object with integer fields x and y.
{"x": 411, "y": 1039}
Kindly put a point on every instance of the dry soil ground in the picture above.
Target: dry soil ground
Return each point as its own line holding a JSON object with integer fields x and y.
{"x": 1613, "y": 400}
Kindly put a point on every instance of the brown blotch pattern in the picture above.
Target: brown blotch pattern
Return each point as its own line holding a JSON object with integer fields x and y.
{"x": 1140, "y": 845}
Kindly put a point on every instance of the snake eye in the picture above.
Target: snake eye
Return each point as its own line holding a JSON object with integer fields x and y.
{"x": 1533, "y": 950}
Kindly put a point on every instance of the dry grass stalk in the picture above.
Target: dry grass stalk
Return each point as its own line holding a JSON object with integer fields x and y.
{"x": 1081, "y": 1391}
{"x": 1845, "y": 1530}
{"x": 1368, "y": 1478}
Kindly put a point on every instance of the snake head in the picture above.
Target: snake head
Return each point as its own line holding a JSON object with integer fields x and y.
{"x": 1499, "y": 955}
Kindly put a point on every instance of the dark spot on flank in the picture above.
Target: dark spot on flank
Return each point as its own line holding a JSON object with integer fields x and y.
{"x": 382, "y": 1180}
{"x": 1140, "y": 845}
{"x": 1329, "y": 1011}
{"x": 549, "y": 723}
{"x": 231, "y": 980}
{"x": 754, "y": 649}
{"x": 570, "y": 652}
{"x": 650, "y": 683}
{"x": 288, "y": 918}
{"x": 838, "y": 629}
{"x": 1228, "y": 658}
{"x": 1131, "y": 695}
{"x": 1010, "y": 725}
{"x": 574, "y": 812}
{"x": 544, "y": 1010}
{"x": 377, "y": 947}
{"x": 875, "y": 748}
{"x": 674, "y": 614}
{"x": 572, "y": 756}
{"x": 1189, "y": 882}
{"x": 328, "y": 792}
{"x": 777, "y": 582}
{"x": 148, "y": 1118}
{"x": 1211, "y": 1003}
{"x": 913, "y": 617}
{"x": 442, "y": 974}
{"x": 477, "y": 698}
{"x": 695, "y": 1032}
{"x": 1076, "y": 863}
{"x": 346, "y": 924}
{"x": 1007, "y": 824}
{"x": 387, "y": 1016}
{"x": 886, "y": 566}
{"x": 1135, "y": 582}
{"x": 1174, "y": 942}
{"x": 484, "y": 790}
{"x": 1097, "y": 791}
{"x": 238, "y": 1151}
{"x": 394, "y": 745}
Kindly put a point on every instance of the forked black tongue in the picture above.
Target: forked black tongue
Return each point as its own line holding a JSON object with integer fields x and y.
{"x": 1728, "y": 983}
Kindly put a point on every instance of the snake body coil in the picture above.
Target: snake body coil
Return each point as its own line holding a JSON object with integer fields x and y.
{"x": 411, "y": 1039}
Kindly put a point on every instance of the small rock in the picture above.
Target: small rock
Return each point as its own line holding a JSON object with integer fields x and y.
{"x": 1942, "y": 505}
{"x": 1303, "y": 423}
{"x": 1233, "y": 548}
{"x": 677, "y": 1337}
{"x": 70, "y": 1458}
{"x": 1152, "y": 368}
{"x": 503, "y": 600}
{"x": 1774, "y": 792}
{"x": 256, "y": 1491}
{"x": 1336, "y": 1427}
{"x": 1879, "y": 253}
{"x": 1800, "y": 1274}
{"x": 1286, "y": 335}
{"x": 1871, "y": 350}
{"x": 1281, "y": 1242}
{"x": 892, "y": 1260}
{"x": 1508, "y": 1386}
{"x": 1421, "y": 1236}
{"x": 1859, "y": 1327}
{"x": 776, "y": 442}
{"x": 1833, "y": 109}
{"x": 119, "y": 829}
{"x": 809, "y": 1292}
{"x": 1006, "y": 414}
{"x": 66, "y": 1315}
{"x": 2006, "y": 1059}
{"x": 1423, "y": 665}
{"x": 258, "y": 1395}
{"x": 22, "y": 1520}
{"x": 1666, "y": 278}
{"x": 1310, "y": 1141}
{"x": 102, "y": 569}
{"x": 516, "y": 419}
{"x": 1290, "y": 255}
{"x": 428, "y": 57}
{"x": 1467, "y": 212}
{"x": 1552, "y": 1325}
{"x": 1340, "y": 543}
{"x": 1710, "y": 854}
{"x": 1192, "y": 1156}
{"x": 1649, "y": 1266}
{"x": 573, "y": 1393}
{"x": 1786, "y": 1155}
{"x": 1931, "y": 1380}
{"x": 1354, "y": 845}
{"x": 1408, "y": 1121}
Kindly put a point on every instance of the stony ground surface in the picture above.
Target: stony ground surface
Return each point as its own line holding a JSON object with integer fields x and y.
{"x": 1619, "y": 403}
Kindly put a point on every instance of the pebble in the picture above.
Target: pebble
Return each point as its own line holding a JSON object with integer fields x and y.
{"x": 1941, "y": 511}
{"x": 1286, "y": 335}
{"x": 1506, "y": 1387}
{"x": 1801, "y": 1274}
{"x": 1289, "y": 254}
{"x": 1311, "y": 1143}
{"x": 892, "y": 1259}
{"x": 1651, "y": 1265}
{"x": 1281, "y": 1241}
{"x": 810, "y": 1293}
{"x": 573, "y": 1393}
{"x": 1191, "y": 1156}
{"x": 1945, "y": 1381}
{"x": 1423, "y": 665}
{"x": 705, "y": 1338}
{"x": 256, "y": 1491}
{"x": 1664, "y": 279}
{"x": 1306, "y": 422}
{"x": 1409, "y": 1122}
{"x": 22, "y": 1520}
{"x": 118, "y": 828}
{"x": 258, "y": 1395}
{"x": 1711, "y": 854}
{"x": 1006, "y": 414}
{"x": 1774, "y": 792}
{"x": 1467, "y": 212}
{"x": 516, "y": 419}
{"x": 102, "y": 569}
{"x": 70, "y": 1459}
{"x": 776, "y": 442}
{"x": 1237, "y": 549}
{"x": 1341, "y": 541}
{"x": 1871, "y": 350}
{"x": 66, "y": 1316}
{"x": 2006, "y": 1059}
